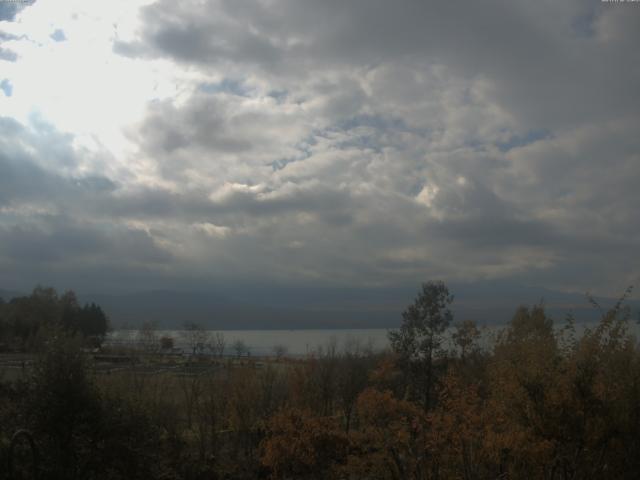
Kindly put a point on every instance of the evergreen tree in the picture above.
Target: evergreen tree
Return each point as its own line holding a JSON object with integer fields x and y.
{"x": 420, "y": 337}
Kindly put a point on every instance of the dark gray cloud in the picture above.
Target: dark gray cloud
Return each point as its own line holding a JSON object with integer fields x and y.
{"x": 541, "y": 67}
{"x": 32, "y": 160}
{"x": 342, "y": 143}
{"x": 51, "y": 219}
{"x": 53, "y": 239}
{"x": 492, "y": 134}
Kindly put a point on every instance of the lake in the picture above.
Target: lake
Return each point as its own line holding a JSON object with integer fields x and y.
{"x": 263, "y": 342}
{"x": 304, "y": 342}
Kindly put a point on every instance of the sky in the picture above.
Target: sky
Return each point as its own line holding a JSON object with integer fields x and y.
{"x": 364, "y": 143}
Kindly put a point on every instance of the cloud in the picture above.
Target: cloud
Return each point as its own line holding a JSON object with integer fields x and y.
{"x": 6, "y": 53}
{"x": 337, "y": 143}
{"x": 58, "y": 240}
{"x": 537, "y": 65}
{"x": 8, "y": 12}
{"x": 50, "y": 213}
{"x": 6, "y": 87}
{"x": 9, "y": 9}
{"x": 58, "y": 35}
{"x": 413, "y": 111}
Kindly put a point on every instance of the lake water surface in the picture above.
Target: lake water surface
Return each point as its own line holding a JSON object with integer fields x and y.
{"x": 304, "y": 342}
{"x": 264, "y": 342}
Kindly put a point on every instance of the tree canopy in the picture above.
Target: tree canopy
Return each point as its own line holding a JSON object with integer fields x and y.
{"x": 23, "y": 317}
{"x": 420, "y": 336}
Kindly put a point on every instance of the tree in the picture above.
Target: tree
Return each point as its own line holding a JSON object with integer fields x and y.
{"x": 4, "y": 327}
{"x": 240, "y": 347}
{"x": 300, "y": 445}
{"x": 23, "y": 317}
{"x": 26, "y": 315}
{"x": 391, "y": 442}
{"x": 82, "y": 430}
{"x": 352, "y": 376}
{"x": 70, "y": 319}
{"x": 529, "y": 405}
{"x": 147, "y": 336}
{"x": 280, "y": 350}
{"x": 456, "y": 430}
{"x": 93, "y": 322}
{"x": 465, "y": 337}
{"x": 64, "y": 405}
{"x": 166, "y": 342}
{"x": 90, "y": 320}
{"x": 219, "y": 344}
{"x": 326, "y": 374}
{"x": 196, "y": 337}
{"x": 420, "y": 337}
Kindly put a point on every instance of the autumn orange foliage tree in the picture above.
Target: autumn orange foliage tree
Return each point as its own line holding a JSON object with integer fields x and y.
{"x": 391, "y": 440}
{"x": 301, "y": 445}
{"x": 540, "y": 403}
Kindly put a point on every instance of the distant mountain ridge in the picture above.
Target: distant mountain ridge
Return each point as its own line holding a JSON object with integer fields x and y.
{"x": 317, "y": 309}
{"x": 173, "y": 309}
{"x": 328, "y": 308}
{"x": 7, "y": 295}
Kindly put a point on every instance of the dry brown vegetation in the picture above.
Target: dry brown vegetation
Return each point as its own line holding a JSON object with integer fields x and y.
{"x": 539, "y": 402}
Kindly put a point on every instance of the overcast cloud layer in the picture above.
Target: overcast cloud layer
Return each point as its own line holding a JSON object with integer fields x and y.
{"x": 361, "y": 142}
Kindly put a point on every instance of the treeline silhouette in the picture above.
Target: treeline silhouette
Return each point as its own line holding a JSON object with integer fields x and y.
{"x": 24, "y": 320}
{"x": 447, "y": 401}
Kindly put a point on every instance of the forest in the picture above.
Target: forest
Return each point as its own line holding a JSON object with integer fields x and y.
{"x": 447, "y": 400}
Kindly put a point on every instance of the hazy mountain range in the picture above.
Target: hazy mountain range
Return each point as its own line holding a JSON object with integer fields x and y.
{"x": 303, "y": 308}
